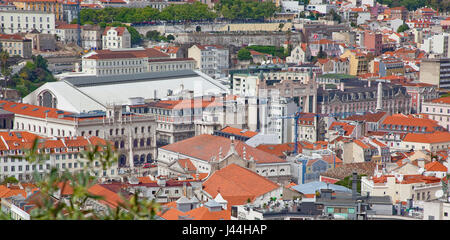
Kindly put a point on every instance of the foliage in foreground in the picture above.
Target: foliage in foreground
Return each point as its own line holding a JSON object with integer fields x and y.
{"x": 74, "y": 207}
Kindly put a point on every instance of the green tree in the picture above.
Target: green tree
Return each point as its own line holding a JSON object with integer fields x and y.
{"x": 5, "y": 69}
{"x": 10, "y": 179}
{"x": 402, "y": 28}
{"x": 74, "y": 208}
{"x": 322, "y": 54}
{"x": 31, "y": 76}
{"x": 244, "y": 54}
{"x": 170, "y": 37}
{"x": 347, "y": 182}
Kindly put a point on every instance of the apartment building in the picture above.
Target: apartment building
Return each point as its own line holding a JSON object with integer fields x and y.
{"x": 420, "y": 93}
{"x": 17, "y": 21}
{"x": 387, "y": 66}
{"x": 63, "y": 153}
{"x": 358, "y": 62}
{"x": 116, "y": 37}
{"x": 132, "y": 134}
{"x": 55, "y": 7}
{"x": 209, "y": 153}
{"x": 212, "y": 60}
{"x": 438, "y": 110}
{"x": 437, "y": 44}
{"x": 373, "y": 41}
{"x": 91, "y": 37}
{"x": 15, "y": 45}
{"x": 300, "y": 54}
{"x": 68, "y": 33}
{"x": 436, "y": 71}
{"x": 401, "y": 187}
{"x": 132, "y": 60}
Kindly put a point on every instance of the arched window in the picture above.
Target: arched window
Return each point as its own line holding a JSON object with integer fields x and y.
{"x": 142, "y": 142}
{"x": 47, "y": 99}
{"x": 149, "y": 158}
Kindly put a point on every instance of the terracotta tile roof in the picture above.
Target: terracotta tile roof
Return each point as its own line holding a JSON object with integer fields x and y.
{"x": 206, "y": 146}
{"x": 171, "y": 60}
{"x": 279, "y": 149}
{"x": 172, "y": 213}
{"x": 186, "y": 163}
{"x": 119, "y": 30}
{"x": 323, "y": 60}
{"x": 203, "y": 47}
{"x": 412, "y": 121}
{"x": 168, "y": 49}
{"x": 408, "y": 179}
{"x": 110, "y": 197}
{"x": 345, "y": 170}
{"x": 348, "y": 128}
{"x": 367, "y": 117}
{"x": 187, "y": 103}
{"x": 332, "y": 159}
{"x": 291, "y": 184}
{"x": 67, "y": 26}
{"x": 135, "y": 53}
{"x": 203, "y": 213}
{"x": 374, "y": 140}
{"x": 362, "y": 144}
{"x": 255, "y": 53}
{"x": 435, "y": 167}
{"x": 113, "y": 1}
{"x": 239, "y": 132}
{"x": 436, "y": 137}
{"x": 32, "y": 110}
{"x": 15, "y": 190}
{"x": 11, "y": 37}
{"x": 237, "y": 184}
{"x": 445, "y": 100}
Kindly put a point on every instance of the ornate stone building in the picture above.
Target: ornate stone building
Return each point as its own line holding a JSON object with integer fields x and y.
{"x": 345, "y": 101}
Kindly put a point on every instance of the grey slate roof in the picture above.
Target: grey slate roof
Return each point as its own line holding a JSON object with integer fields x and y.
{"x": 115, "y": 79}
{"x": 312, "y": 187}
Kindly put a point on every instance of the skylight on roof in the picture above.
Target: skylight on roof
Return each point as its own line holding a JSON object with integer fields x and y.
{"x": 13, "y": 105}
{"x": 35, "y": 109}
{"x": 46, "y": 111}
{"x": 24, "y": 107}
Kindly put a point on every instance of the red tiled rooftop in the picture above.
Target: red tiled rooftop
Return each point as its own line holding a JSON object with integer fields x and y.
{"x": 237, "y": 184}
{"x": 205, "y": 147}
{"x": 239, "y": 132}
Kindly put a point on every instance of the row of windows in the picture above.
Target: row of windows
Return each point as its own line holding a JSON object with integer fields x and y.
{"x": 26, "y": 19}
{"x": 122, "y": 131}
{"x": 40, "y": 129}
{"x": 117, "y": 71}
{"x": 440, "y": 110}
{"x": 120, "y": 63}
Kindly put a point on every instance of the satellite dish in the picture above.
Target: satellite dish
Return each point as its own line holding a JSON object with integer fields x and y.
{"x": 439, "y": 193}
